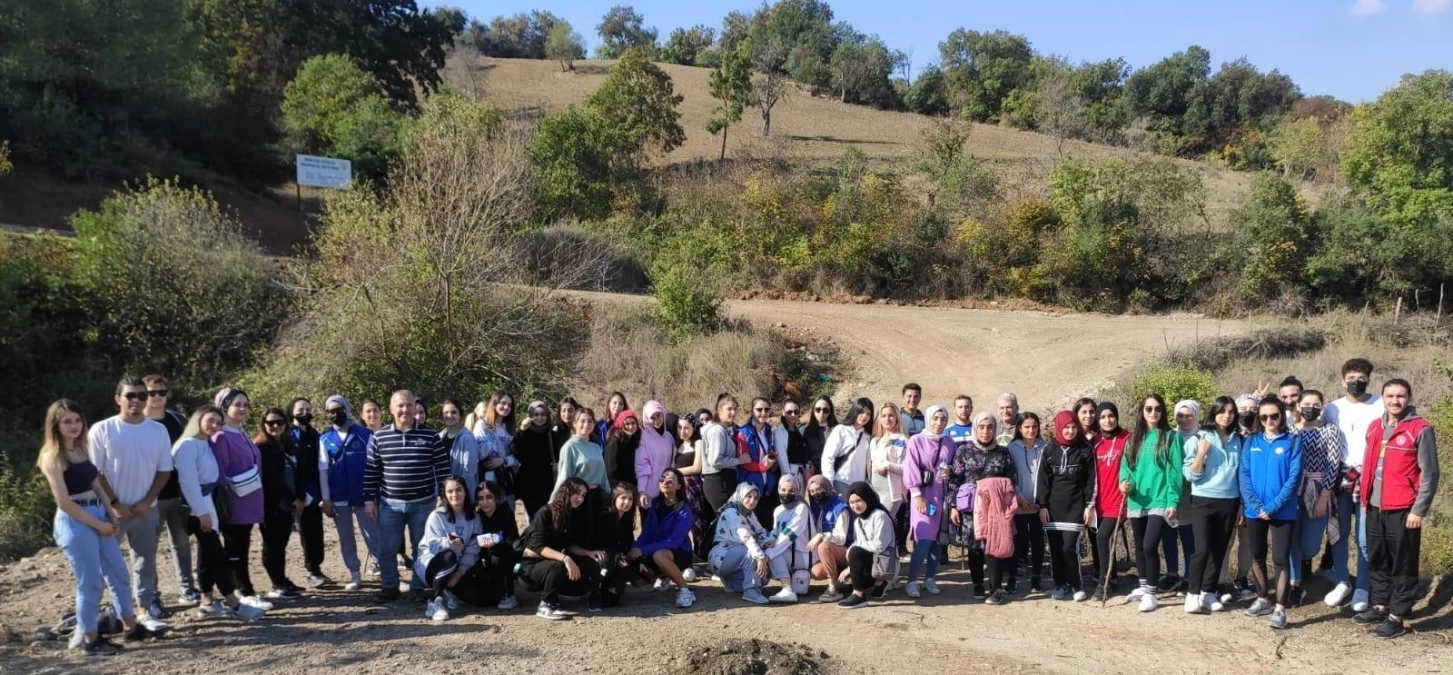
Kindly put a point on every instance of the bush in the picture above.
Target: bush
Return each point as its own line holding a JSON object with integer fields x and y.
{"x": 1176, "y": 382}
{"x": 689, "y": 296}
{"x": 335, "y": 108}
{"x": 26, "y": 509}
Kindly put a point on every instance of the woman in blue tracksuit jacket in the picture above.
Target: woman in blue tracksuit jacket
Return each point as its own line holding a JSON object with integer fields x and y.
{"x": 1271, "y": 467}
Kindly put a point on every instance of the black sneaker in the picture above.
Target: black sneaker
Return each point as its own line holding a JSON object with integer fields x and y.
{"x": 1035, "y": 586}
{"x": 995, "y": 598}
{"x": 101, "y": 647}
{"x": 284, "y": 593}
{"x": 1294, "y": 596}
{"x": 592, "y": 602}
{"x": 1369, "y": 616}
{"x": 1098, "y": 595}
{"x": 1180, "y": 587}
{"x": 1389, "y": 628}
{"x": 139, "y": 633}
{"x": 979, "y": 591}
{"x": 386, "y": 596}
{"x": 1012, "y": 585}
{"x": 879, "y": 590}
{"x": 853, "y": 601}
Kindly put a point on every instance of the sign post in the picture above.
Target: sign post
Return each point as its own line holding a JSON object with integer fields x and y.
{"x": 323, "y": 172}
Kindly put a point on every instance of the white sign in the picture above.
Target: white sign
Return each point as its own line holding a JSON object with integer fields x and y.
{"x": 325, "y": 172}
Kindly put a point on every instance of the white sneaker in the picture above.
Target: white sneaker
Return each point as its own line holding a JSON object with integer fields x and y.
{"x": 1359, "y": 601}
{"x": 248, "y": 613}
{"x": 508, "y": 603}
{"x": 662, "y": 585}
{"x": 1148, "y": 603}
{"x": 1135, "y": 594}
{"x": 754, "y": 596}
{"x": 784, "y": 595}
{"x": 931, "y": 586}
{"x": 1081, "y": 596}
{"x": 1338, "y": 595}
{"x": 1261, "y": 607}
{"x": 254, "y": 601}
{"x": 214, "y": 608}
{"x": 152, "y": 624}
{"x": 450, "y": 602}
{"x": 911, "y": 590}
{"x": 1193, "y": 605}
{"x": 354, "y": 583}
{"x": 550, "y": 613}
{"x": 436, "y": 611}
{"x": 1215, "y": 604}
{"x": 689, "y": 574}
{"x": 685, "y": 598}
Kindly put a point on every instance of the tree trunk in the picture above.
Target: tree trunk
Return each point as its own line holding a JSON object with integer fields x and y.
{"x": 723, "y": 144}
{"x": 766, "y": 121}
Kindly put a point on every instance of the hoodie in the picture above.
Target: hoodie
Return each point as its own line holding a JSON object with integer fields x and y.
{"x": 436, "y": 539}
{"x": 656, "y": 452}
{"x": 1271, "y": 469}
{"x": 1027, "y": 460}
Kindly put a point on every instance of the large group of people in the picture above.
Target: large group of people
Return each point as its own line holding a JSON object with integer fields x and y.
{"x": 661, "y": 500}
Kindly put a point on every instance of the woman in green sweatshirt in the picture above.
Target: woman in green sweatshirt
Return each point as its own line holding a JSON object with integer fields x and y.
{"x": 1150, "y": 477}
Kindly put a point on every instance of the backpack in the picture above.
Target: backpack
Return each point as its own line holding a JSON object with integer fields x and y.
{"x": 107, "y": 623}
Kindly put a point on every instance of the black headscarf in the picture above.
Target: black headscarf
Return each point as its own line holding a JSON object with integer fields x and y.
{"x": 1100, "y": 410}
{"x": 869, "y": 496}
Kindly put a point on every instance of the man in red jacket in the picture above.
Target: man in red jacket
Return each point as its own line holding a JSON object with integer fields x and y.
{"x": 1399, "y": 479}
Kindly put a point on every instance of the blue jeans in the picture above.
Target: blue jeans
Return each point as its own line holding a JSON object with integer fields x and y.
{"x": 1187, "y": 538}
{"x": 924, "y": 549}
{"x": 393, "y": 516}
{"x": 93, "y": 559}
{"x": 1306, "y": 540}
{"x": 1346, "y": 504}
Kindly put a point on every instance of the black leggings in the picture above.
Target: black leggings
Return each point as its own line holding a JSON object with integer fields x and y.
{"x": 860, "y": 569}
{"x": 716, "y": 489}
{"x": 310, "y": 531}
{"x": 550, "y": 577}
{"x": 1064, "y": 558}
{"x": 1105, "y": 548}
{"x": 1029, "y": 543}
{"x": 1281, "y": 547}
{"x": 1147, "y": 531}
{"x": 976, "y": 565}
{"x": 277, "y": 529}
{"x": 997, "y": 569}
{"x": 438, "y": 571}
{"x": 1213, "y": 521}
{"x": 237, "y": 541}
{"x": 212, "y": 568}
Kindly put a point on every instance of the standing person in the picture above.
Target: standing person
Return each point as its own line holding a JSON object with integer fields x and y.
{"x": 1066, "y": 497}
{"x": 621, "y": 444}
{"x": 1397, "y": 491}
{"x": 495, "y": 433}
{"x": 464, "y": 451}
{"x": 1322, "y": 449}
{"x": 688, "y": 460}
{"x": 1084, "y": 410}
{"x": 975, "y": 460}
{"x": 371, "y": 414}
{"x": 614, "y": 406}
{"x": 1212, "y": 469}
{"x": 406, "y": 466}
{"x": 790, "y": 441}
{"x": 830, "y": 553}
{"x": 449, "y": 547}
{"x": 961, "y": 429}
{"x": 925, "y": 471}
{"x": 820, "y": 423}
{"x": 199, "y": 479}
{"x": 342, "y": 458}
{"x": 663, "y": 548}
{"x": 306, "y": 453}
{"x": 1290, "y": 393}
{"x": 1354, "y": 414}
{"x": 1007, "y": 409}
{"x": 421, "y": 414}
{"x": 1271, "y": 466}
{"x": 85, "y": 528}
{"x": 872, "y": 556}
{"x": 1027, "y": 450}
{"x": 1109, "y": 501}
{"x": 1150, "y": 478}
{"x": 282, "y": 503}
{"x": 1246, "y": 405}
{"x": 134, "y": 456}
{"x": 845, "y": 456}
{"x": 656, "y": 453}
{"x": 885, "y": 469}
{"x": 536, "y": 451}
{"x": 554, "y": 548}
{"x": 1188, "y": 425}
{"x": 239, "y": 462}
{"x": 582, "y": 458}
{"x": 757, "y": 447}
{"x": 719, "y": 461}
{"x": 994, "y": 506}
{"x": 563, "y": 428}
{"x": 911, "y": 417}
{"x": 171, "y": 512}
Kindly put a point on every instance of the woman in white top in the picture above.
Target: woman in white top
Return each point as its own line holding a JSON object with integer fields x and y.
{"x": 846, "y": 453}
{"x": 494, "y": 433}
{"x": 889, "y": 449}
{"x": 740, "y": 556}
{"x": 872, "y": 557}
{"x": 719, "y": 458}
{"x": 792, "y": 526}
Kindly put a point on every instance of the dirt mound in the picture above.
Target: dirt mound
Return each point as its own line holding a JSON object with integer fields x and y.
{"x": 755, "y": 657}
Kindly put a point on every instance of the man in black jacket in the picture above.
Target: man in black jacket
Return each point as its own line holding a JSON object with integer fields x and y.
{"x": 306, "y": 475}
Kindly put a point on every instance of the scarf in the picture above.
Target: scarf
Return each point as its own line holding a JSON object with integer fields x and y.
{"x": 1195, "y": 409}
{"x": 928, "y": 417}
{"x": 1062, "y": 419}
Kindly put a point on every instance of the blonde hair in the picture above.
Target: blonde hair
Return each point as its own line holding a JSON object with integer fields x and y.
{"x": 878, "y": 430}
{"x": 194, "y": 424}
{"x": 52, "y": 447}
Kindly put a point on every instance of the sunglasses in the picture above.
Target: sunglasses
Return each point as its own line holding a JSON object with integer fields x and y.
{"x": 791, "y": 412}
{"x": 1270, "y": 418}
{"x": 765, "y": 410}
{"x": 819, "y": 410}
{"x": 1154, "y": 409}
{"x": 274, "y": 423}
{"x": 159, "y": 393}
{"x": 134, "y": 396}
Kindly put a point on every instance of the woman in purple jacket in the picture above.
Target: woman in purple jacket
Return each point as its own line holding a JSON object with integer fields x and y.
{"x": 239, "y": 468}
{"x": 924, "y": 473}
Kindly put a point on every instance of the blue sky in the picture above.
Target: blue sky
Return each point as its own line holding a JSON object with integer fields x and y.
{"x": 1351, "y": 49}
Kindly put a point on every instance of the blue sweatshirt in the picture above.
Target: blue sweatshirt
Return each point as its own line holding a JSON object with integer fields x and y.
{"x": 1220, "y": 476}
{"x": 665, "y": 528}
{"x": 1271, "y": 469}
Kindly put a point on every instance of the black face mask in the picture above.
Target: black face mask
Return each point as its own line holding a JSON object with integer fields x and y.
{"x": 339, "y": 418}
{"x": 789, "y": 500}
{"x": 818, "y": 499}
{"x": 1248, "y": 419}
{"x": 304, "y": 419}
{"x": 1311, "y": 414}
{"x": 1357, "y": 388}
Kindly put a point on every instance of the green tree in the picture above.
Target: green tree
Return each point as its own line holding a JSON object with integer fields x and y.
{"x": 928, "y": 95}
{"x": 522, "y": 36}
{"x": 335, "y": 108}
{"x": 981, "y": 69}
{"x": 1276, "y": 236}
{"x": 453, "y": 18}
{"x": 1166, "y": 91}
{"x": 622, "y": 29}
{"x": 731, "y": 86}
{"x": 1400, "y": 154}
{"x": 639, "y": 103}
{"x": 1300, "y": 147}
{"x": 687, "y": 46}
{"x": 574, "y": 155}
{"x": 564, "y": 46}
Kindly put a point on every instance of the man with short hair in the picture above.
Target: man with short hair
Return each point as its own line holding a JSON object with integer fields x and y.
{"x": 134, "y": 455}
{"x": 171, "y": 512}
{"x": 343, "y": 453}
{"x": 1354, "y": 414}
{"x": 406, "y": 466}
{"x": 1396, "y": 492}
{"x": 1290, "y": 392}
{"x": 962, "y": 428}
{"x": 1007, "y": 412}
{"x": 910, "y": 416}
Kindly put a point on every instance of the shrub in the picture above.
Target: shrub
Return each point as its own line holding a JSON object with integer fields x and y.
{"x": 26, "y": 509}
{"x": 1276, "y": 234}
{"x": 1176, "y": 382}
{"x": 335, "y": 108}
{"x": 690, "y": 299}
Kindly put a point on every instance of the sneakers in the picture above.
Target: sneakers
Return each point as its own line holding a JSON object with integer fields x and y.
{"x": 853, "y": 601}
{"x": 214, "y": 609}
{"x": 879, "y": 590}
{"x": 283, "y": 594}
{"x": 1080, "y": 595}
{"x": 931, "y": 586}
{"x": 191, "y": 596}
{"x": 373, "y": 568}
{"x": 1012, "y": 586}
{"x": 508, "y": 603}
{"x": 316, "y": 580}
{"x": 152, "y": 623}
{"x": 246, "y": 613}
{"x": 1389, "y": 629}
{"x": 754, "y": 596}
{"x": 979, "y": 591}
{"x": 100, "y": 647}
{"x": 1338, "y": 595}
{"x": 1060, "y": 593}
{"x": 685, "y": 598}
{"x": 1034, "y": 586}
{"x": 663, "y": 584}
{"x": 911, "y": 590}
{"x": 436, "y": 610}
{"x": 785, "y": 595}
{"x": 831, "y": 595}
{"x": 156, "y": 610}
{"x": 1369, "y": 616}
{"x": 1136, "y": 594}
{"x": 1098, "y": 595}
{"x": 1243, "y": 591}
{"x": 1261, "y": 607}
{"x": 551, "y": 613}
{"x": 1294, "y": 596}
{"x": 1210, "y": 603}
{"x": 1148, "y": 603}
{"x": 689, "y": 574}
{"x": 1180, "y": 587}
{"x": 995, "y": 598}
{"x": 451, "y": 602}
{"x": 592, "y": 602}
{"x": 255, "y": 601}
{"x": 354, "y": 583}
{"x": 1278, "y": 619}
{"x": 387, "y": 596}
{"x": 1359, "y": 600}
{"x": 1193, "y": 605}
{"x": 140, "y": 632}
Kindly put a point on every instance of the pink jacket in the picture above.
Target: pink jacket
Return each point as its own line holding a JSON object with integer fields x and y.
{"x": 655, "y": 454}
{"x": 994, "y": 508}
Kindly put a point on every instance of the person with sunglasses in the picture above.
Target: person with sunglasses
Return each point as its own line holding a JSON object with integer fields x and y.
{"x": 283, "y": 502}
{"x": 663, "y": 549}
{"x": 133, "y": 454}
{"x": 343, "y": 453}
{"x": 1150, "y": 478}
{"x": 1271, "y": 467}
{"x": 1323, "y": 447}
{"x": 757, "y": 445}
{"x": 171, "y": 511}
{"x": 820, "y": 423}
{"x": 791, "y": 443}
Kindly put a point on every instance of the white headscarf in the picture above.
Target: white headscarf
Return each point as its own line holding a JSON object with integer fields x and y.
{"x": 1195, "y": 409}
{"x": 928, "y": 417}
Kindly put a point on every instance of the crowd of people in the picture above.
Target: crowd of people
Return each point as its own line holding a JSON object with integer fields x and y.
{"x": 655, "y": 499}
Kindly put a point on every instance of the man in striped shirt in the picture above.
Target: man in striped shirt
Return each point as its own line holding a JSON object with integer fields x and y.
{"x": 406, "y": 465}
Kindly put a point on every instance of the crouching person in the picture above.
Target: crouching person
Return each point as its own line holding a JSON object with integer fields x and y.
{"x": 554, "y": 557}
{"x": 449, "y": 549}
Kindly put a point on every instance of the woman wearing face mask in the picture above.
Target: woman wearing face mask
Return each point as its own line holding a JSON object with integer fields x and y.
{"x": 872, "y": 556}
{"x": 655, "y": 454}
{"x": 757, "y": 446}
{"x": 1150, "y": 478}
{"x": 925, "y": 470}
{"x": 845, "y": 456}
{"x": 792, "y": 526}
{"x": 1271, "y": 467}
{"x": 1066, "y": 497}
{"x": 976, "y": 459}
{"x": 826, "y": 510}
{"x": 621, "y": 444}
{"x": 450, "y": 547}
{"x": 663, "y": 549}
{"x": 554, "y": 554}
{"x": 688, "y": 462}
{"x": 239, "y": 462}
{"x": 1027, "y": 449}
{"x": 1110, "y": 445}
{"x": 739, "y": 556}
{"x": 1246, "y": 405}
{"x": 1212, "y": 467}
{"x": 820, "y": 422}
{"x": 1323, "y": 447}
{"x": 885, "y": 468}
{"x": 278, "y": 489}
{"x": 464, "y": 451}
{"x": 535, "y": 451}
{"x": 1188, "y": 425}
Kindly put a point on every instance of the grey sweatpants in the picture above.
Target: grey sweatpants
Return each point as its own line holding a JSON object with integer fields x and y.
{"x": 172, "y": 514}
{"x": 140, "y": 535}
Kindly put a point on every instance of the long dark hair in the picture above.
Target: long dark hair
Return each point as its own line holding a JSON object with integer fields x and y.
{"x": 469, "y": 506}
{"x": 629, "y": 517}
{"x": 1019, "y": 421}
{"x": 284, "y": 439}
{"x": 1281, "y": 409}
{"x": 1162, "y": 442}
{"x": 812, "y": 426}
{"x": 1095, "y": 422}
{"x": 1217, "y": 407}
{"x": 560, "y": 503}
{"x": 680, "y": 487}
{"x": 859, "y": 405}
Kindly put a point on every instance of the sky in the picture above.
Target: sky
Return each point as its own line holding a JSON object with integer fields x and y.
{"x": 1351, "y": 49}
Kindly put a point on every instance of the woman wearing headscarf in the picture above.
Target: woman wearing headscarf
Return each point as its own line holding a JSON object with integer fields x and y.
{"x": 1188, "y": 425}
{"x": 1066, "y": 497}
{"x": 974, "y": 460}
{"x": 1211, "y": 469}
{"x": 1150, "y": 478}
{"x": 827, "y": 509}
{"x": 621, "y": 443}
{"x": 1027, "y": 449}
{"x": 792, "y": 526}
{"x": 343, "y": 452}
{"x": 739, "y": 556}
{"x": 925, "y": 470}
{"x": 655, "y": 453}
{"x": 872, "y": 556}
{"x": 757, "y": 446}
{"x": 535, "y": 451}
